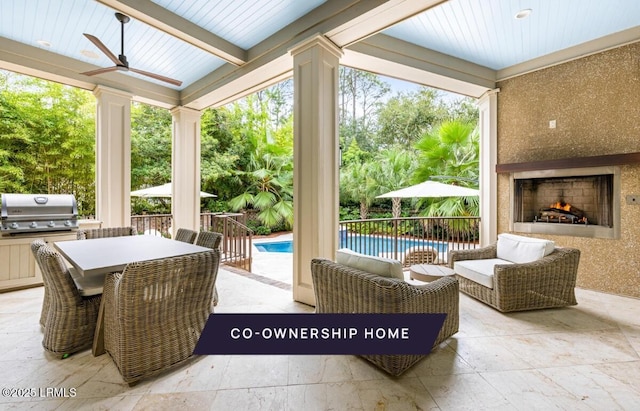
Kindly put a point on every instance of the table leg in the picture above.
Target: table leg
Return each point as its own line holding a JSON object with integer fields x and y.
{"x": 98, "y": 337}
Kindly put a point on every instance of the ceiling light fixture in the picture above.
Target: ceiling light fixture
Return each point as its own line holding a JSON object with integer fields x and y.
{"x": 43, "y": 43}
{"x": 90, "y": 54}
{"x": 522, "y": 14}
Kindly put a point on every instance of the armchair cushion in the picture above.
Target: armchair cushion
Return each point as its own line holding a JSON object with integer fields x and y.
{"x": 480, "y": 271}
{"x": 519, "y": 249}
{"x": 384, "y": 267}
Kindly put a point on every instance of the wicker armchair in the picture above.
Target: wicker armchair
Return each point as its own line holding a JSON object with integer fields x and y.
{"x": 71, "y": 319}
{"x": 154, "y": 312}
{"x": 35, "y": 246}
{"x": 545, "y": 283}
{"x": 185, "y": 235}
{"x": 211, "y": 240}
{"x": 105, "y": 232}
{"x": 341, "y": 289}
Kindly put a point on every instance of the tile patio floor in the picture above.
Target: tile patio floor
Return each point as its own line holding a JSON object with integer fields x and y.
{"x": 582, "y": 357}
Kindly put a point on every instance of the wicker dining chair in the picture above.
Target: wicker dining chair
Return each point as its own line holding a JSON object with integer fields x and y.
{"x": 35, "y": 246}
{"x": 155, "y": 311}
{"x": 71, "y": 319}
{"x": 89, "y": 234}
{"x": 210, "y": 239}
{"x": 185, "y": 235}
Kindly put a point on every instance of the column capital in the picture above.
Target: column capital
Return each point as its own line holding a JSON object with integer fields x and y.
{"x": 102, "y": 90}
{"x": 185, "y": 110}
{"x": 316, "y": 40}
{"x": 489, "y": 93}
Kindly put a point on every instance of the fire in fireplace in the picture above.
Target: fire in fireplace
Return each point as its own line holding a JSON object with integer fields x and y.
{"x": 561, "y": 212}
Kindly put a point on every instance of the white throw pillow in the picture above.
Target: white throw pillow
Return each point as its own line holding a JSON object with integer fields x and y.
{"x": 384, "y": 267}
{"x": 519, "y": 249}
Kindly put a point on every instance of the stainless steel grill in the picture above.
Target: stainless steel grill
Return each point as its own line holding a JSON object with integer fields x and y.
{"x": 26, "y": 213}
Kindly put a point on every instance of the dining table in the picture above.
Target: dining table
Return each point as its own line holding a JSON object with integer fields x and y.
{"x": 101, "y": 256}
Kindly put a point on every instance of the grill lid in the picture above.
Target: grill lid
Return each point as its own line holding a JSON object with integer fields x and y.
{"x": 38, "y": 212}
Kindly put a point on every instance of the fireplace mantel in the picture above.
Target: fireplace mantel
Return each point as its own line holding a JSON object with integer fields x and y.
{"x": 576, "y": 162}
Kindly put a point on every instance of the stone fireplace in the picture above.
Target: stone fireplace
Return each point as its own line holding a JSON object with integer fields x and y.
{"x": 579, "y": 202}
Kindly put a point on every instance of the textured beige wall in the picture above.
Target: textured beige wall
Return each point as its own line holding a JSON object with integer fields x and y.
{"x": 595, "y": 101}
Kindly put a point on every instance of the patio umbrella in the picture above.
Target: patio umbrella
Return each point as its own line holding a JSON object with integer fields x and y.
{"x": 161, "y": 191}
{"x": 431, "y": 189}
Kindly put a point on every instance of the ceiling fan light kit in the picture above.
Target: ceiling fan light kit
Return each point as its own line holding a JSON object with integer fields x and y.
{"x": 121, "y": 63}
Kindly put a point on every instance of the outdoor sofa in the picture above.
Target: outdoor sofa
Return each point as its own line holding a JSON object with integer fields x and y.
{"x": 518, "y": 273}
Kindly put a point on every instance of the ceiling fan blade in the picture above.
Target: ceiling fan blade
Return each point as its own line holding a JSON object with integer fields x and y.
{"x": 104, "y": 49}
{"x": 103, "y": 70}
{"x": 157, "y": 77}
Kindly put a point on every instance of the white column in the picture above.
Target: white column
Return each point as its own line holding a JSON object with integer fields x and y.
{"x": 113, "y": 157}
{"x": 185, "y": 169}
{"x": 315, "y": 159}
{"x": 488, "y": 108}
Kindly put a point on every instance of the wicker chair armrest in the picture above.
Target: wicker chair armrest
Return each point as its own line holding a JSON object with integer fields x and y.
{"x": 560, "y": 267}
{"x": 472, "y": 254}
{"x": 437, "y": 295}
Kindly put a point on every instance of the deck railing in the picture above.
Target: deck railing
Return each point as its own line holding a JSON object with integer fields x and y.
{"x": 236, "y": 236}
{"x": 399, "y": 238}
{"x": 152, "y": 224}
{"x": 404, "y": 238}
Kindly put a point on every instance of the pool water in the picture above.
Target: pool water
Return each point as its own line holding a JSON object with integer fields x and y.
{"x": 276, "y": 246}
{"x": 360, "y": 244}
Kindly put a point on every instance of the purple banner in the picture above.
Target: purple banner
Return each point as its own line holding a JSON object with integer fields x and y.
{"x": 356, "y": 334}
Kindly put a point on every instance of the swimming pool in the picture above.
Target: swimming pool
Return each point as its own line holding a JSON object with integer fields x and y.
{"x": 361, "y": 244}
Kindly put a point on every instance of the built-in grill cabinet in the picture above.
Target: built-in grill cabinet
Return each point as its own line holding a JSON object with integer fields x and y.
{"x": 29, "y": 213}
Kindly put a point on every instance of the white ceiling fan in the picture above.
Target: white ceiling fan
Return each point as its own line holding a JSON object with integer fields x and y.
{"x": 121, "y": 63}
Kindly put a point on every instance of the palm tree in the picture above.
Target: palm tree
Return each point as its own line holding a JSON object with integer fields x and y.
{"x": 270, "y": 190}
{"x": 393, "y": 170}
{"x": 450, "y": 153}
{"x": 268, "y": 172}
{"x": 357, "y": 184}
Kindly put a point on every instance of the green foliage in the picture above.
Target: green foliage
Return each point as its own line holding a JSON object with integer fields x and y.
{"x": 150, "y": 156}
{"x": 267, "y": 174}
{"x": 392, "y": 171}
{"x": 47, "y": 143}
{"x": 221, "y": 154}
{"x": 47, "y": 139}
{"x": 357, "y": 184}
{"x": 451, "y": 154}
{"x": 354, "y": 154}
{"x": 407, "y": 116}
{"x": 150, "y": 146}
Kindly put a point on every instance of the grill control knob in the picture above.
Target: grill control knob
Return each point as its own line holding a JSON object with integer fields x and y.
{"x": 33, "y": 225}
{"x": 67, "y": 223}
{"x": 14, "y": 225}
{"x": 51, "y": 224}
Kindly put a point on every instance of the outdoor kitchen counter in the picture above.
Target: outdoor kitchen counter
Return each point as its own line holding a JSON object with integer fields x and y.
{"x": 19, "y": 269}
